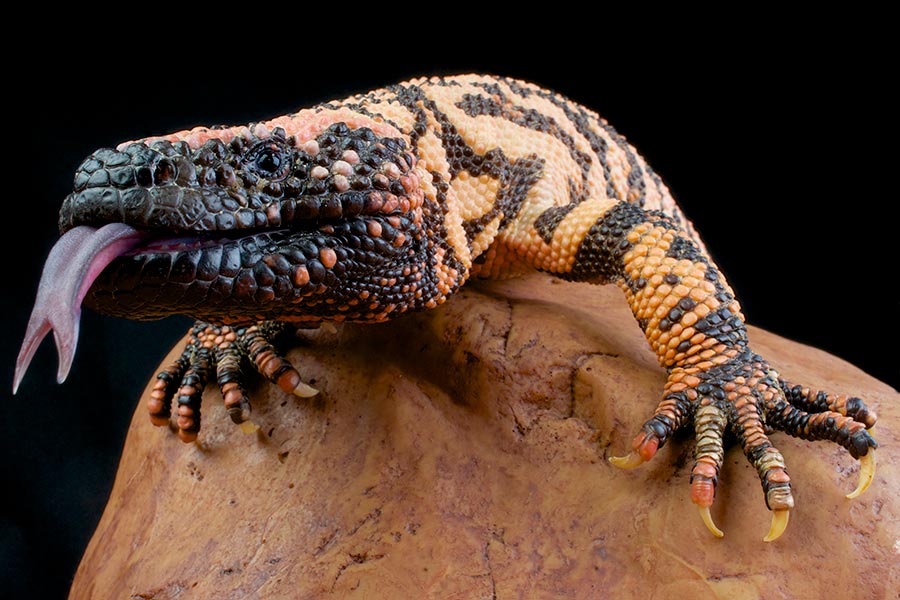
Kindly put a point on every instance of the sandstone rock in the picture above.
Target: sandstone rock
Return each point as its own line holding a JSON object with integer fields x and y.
{"x": 461, "y": 453}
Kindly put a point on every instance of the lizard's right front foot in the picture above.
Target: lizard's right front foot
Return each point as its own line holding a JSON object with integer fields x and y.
{"x": 221, "y": 350}
{"x": 738, "y": 390}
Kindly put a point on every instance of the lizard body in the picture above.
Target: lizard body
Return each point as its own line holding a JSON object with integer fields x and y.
{"x": 387, "y": 202}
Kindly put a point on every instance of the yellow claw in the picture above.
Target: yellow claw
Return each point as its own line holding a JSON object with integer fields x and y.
{"x": 707, "y": 520}
{"x": 779, "y": 524}
{"x": 632, "y": 460}
{"x": 866, "y": 473}
{"x": 305, "y": 391}
{"x": 249, "y": 427}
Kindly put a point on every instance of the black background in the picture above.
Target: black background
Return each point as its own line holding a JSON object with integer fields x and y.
{"x": 778, "y": 146}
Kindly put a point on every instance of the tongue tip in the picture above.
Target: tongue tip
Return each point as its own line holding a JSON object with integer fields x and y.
{"x": 21, "y": 368}
{"x": 66, "y": 338}
{"x": 37, "y": 329}
{"x": 65, "y": 365}
{"x": 74, "y": 263}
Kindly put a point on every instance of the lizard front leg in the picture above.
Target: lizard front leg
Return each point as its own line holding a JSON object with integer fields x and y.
{"x": 694, "y": 324}
{"x": 219, "y": 351}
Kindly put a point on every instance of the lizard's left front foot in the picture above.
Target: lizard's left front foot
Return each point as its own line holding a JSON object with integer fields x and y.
{"x": 218, "y": 351}
{"x": 742, "y": 392}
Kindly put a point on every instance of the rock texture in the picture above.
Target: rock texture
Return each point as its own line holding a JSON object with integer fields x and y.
{"x": 460, "y": 454}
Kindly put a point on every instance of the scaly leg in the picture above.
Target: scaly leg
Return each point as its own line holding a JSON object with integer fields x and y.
{"x": 694, "y": 325}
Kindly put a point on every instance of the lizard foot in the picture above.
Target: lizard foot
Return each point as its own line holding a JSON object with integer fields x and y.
{"x": 737, "y": 390}
{"x": 221, "y": 349}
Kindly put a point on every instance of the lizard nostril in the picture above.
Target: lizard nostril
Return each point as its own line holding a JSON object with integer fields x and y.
{"x": 225, "y": 176}
{"x": 144, "y": 176}
{"x": 165, "y": 172}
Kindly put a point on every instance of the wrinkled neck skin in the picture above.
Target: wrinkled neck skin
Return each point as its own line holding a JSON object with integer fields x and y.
{"x": 324, "y": 214}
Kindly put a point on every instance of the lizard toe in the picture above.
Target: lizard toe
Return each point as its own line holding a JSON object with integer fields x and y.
{"x": 214, "y": 351}
{"x": 258, "y": 342}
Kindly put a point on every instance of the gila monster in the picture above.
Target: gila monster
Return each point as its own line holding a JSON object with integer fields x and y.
{"x": 387, "y": 202}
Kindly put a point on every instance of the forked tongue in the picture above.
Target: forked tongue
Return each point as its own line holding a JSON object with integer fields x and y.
{"x": 74, "y": 263}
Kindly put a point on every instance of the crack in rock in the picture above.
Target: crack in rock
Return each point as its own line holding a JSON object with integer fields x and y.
{"x": 355, "y": 559}
{"x": 490, "y": 569}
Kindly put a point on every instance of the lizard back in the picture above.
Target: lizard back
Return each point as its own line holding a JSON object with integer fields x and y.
{"x": 501, "y": 152}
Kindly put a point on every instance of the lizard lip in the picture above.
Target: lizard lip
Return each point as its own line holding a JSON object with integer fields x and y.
{"x": 173, "y": 244}
{"x": 184, "y": 243}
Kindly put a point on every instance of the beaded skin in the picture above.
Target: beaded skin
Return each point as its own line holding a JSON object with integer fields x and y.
{"x": 386, "y": 202}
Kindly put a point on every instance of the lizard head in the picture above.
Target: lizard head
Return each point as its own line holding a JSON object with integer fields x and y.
{"x": 244, "y": 224}
{"x": 309, "y": 217}
{"x": 243, "y": 180}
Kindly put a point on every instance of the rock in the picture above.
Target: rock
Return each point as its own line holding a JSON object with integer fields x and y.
{"x": 461, "y": 453}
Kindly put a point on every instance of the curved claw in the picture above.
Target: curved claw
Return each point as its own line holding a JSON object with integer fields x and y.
{"x": 866, "y": 473}
{"x": 304, "y": 390}
{"x": 248, "y": 427}
{"x": 632, "y": 460}
{"x": 707, "y": 520}
{"x": 779, "y": 524}
{"x": 289, "y": 380}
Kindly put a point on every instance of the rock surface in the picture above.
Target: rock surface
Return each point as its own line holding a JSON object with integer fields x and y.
{"x": 460, "y": 453}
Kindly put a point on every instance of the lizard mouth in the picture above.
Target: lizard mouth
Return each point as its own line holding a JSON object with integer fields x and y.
{"x": 79, "y": 258}
{"x": 198, "y": 241}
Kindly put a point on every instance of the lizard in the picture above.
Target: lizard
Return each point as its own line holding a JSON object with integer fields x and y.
{"x": 387, "y": 202}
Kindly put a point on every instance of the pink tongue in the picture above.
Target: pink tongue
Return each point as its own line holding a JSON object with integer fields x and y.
{"x": 74, "y": 263}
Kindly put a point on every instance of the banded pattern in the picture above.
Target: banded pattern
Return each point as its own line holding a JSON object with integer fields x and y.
{"x": 518, "y": 162}
{"x": 387, "y": 202}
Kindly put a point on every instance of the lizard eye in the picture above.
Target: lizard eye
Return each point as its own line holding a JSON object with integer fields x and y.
{"x": 268, "y": 159}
